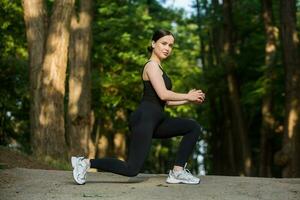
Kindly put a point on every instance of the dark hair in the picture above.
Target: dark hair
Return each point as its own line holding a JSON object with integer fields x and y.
{"x": 157, "y": 35}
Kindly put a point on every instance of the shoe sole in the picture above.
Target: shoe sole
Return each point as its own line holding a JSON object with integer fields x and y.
{"x": 74, "y": 165}
{"x": 175, "y": 181}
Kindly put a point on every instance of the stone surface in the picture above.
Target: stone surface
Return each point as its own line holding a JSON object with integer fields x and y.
{"x": 34, "y": 184}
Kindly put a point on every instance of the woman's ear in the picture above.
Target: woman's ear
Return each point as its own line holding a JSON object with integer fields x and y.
{"x": 153, "y": 44}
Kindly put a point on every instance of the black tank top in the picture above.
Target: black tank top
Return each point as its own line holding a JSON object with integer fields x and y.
{"x": 150, "y": 94}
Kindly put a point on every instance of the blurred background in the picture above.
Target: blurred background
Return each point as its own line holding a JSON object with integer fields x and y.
{"x": 70, "y": 77}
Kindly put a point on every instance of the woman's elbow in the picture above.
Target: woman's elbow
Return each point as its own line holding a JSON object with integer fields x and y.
{"x": 163, "y": 97}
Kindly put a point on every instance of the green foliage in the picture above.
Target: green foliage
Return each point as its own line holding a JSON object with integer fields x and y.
{"x": 121, "y": 33}
{"x": 14, "y": 95}
{"x": 250, "y": 70}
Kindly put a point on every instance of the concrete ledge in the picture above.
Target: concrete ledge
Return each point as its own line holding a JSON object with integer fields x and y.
{"x": 33, "y": 184}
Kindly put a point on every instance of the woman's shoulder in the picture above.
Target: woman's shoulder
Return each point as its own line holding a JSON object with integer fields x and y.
{"x": 152, "y": 65}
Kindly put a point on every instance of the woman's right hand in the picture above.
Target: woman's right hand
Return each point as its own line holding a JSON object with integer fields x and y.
{"x": 196, "y": 96}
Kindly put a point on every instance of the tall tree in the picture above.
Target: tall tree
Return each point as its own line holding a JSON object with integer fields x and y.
{"x": 49, "y": 136}
{"x": 289, "y": 156}
{"x": 79, "y": 117}
{"x": 35, "y": 21}
{"x": 239, "y": 127}
{"x": 268, "y": 119}
{"x": 221, "y": 140}
{"x": 225, "y": 161}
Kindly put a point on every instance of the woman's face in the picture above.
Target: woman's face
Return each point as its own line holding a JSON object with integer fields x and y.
{"x": 162, "y": 48}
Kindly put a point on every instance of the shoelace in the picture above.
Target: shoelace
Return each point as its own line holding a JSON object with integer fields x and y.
{"x": 188, "y": 174}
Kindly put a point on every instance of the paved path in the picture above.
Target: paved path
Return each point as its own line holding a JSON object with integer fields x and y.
{"x": 33, "y": 184}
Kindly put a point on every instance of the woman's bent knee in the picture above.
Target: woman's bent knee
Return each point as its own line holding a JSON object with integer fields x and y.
{"x": 196, "y": 126}
{"x": 132, "y": 173}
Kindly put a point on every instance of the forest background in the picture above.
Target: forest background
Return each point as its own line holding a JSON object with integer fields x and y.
{"x": 70, "y": 77}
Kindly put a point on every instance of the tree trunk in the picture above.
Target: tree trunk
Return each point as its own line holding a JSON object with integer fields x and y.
{"x": 268, "y": 120}
{"x": 47, "y": 74}
{"x": 229, "y": 64}
{"x": 215, "y": 139}
{"x": 202, "y": 53}
{"x": 221, "y": 140}
{"x": 289, "y": 156}
{"x": 228, "y": 165}
{"x": 119, "y": 136}
{"x": 34, "y": 17}
{"x": 52, "y": 131}
{"x": 228, "y": 141}
{"x": 79, "y": 117}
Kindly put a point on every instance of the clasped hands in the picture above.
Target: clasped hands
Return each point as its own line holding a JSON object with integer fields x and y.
{"x": 196, "y": 96}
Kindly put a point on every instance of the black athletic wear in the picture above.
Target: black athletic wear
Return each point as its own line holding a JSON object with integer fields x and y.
{"x": 150, "y": 94}
{"x": 147, "y": 122}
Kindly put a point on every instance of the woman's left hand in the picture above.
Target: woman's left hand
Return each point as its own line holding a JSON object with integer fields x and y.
{"x": 201, "y": 99}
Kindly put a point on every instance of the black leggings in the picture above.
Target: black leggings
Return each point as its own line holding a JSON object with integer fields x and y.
{"x": 148, "y": 122}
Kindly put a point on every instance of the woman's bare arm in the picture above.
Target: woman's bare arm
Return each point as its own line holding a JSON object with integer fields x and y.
{"x": 176, "y": 103}
{"x": 155, "y": 76}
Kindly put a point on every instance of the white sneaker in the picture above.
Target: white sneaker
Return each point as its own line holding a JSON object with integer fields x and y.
{"x": 80, "y": 169}
{"x": 183, "y": 176}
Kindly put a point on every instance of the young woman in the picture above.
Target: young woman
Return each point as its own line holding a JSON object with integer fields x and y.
{"x": 149, "y": 121}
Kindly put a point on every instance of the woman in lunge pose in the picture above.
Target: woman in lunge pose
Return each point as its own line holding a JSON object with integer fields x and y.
{"x": 149, "y": 121}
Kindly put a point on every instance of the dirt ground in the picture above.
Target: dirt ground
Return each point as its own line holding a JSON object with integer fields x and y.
{"x": 19, "y": 181}
{"x": 33, "y": 184}
{"x": 10, "y": 158}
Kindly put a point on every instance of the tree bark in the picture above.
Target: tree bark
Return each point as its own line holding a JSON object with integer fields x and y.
{"x": 289, "y": 156}
{"x": 34, "y": 17}
{"x": 52, "y": 130}
{"x": 228, "y": 141}
{"x": 79, "y": 117}
{"x": 119, "y": 136}
{"x": 225, "y": 150}
{"x": 229, "y": 64}
{"x": 268, "y": 119}
{"x": 47, "y": 58}
{"x": 221, "y": 141}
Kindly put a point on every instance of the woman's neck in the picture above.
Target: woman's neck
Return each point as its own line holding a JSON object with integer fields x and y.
{"x": 155, "y": 59}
